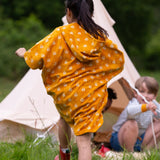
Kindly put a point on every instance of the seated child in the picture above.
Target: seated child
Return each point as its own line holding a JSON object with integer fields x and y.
{"x": 133, "y": 130}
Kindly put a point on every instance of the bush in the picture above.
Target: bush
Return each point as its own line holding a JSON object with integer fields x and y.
{"x": 152, "y": 52}
{"x": 15, "y": 34}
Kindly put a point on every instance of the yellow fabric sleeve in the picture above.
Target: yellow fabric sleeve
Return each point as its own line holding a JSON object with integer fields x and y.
{"x": 144, "y": 107}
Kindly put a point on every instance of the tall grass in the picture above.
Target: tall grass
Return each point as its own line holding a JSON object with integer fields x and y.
{"x": 47, "y": 150}
{"x": 27, "y": 151}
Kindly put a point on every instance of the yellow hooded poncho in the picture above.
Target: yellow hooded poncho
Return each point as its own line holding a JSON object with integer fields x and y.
{"x": 75, "y": 70}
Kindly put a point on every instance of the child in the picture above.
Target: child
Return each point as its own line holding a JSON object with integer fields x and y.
{"x": 111, "y": 95}
{"x": 133, "y": 129}
{"x": 77, "y": 61}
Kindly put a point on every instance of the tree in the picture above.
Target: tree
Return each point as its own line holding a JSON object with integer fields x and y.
{"x": 137, "y": 26}
{"x": 49, "y": 12}
{"x": 134, "y": 25}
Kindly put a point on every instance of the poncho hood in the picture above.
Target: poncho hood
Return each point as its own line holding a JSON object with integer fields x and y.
{"x": 84, "y": 46}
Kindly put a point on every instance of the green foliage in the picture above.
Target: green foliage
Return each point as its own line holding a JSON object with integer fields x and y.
{"x": 153, "y": 52}
{"x": 15, "y": 34}
{"x": 135, "y": 23}
{"x": 22, "y": 23}
{"x": 50, "y": 12}
{"x": 54, "y": 11}
{"x": 6, "y": 85}
{"x": 20, "y": 26}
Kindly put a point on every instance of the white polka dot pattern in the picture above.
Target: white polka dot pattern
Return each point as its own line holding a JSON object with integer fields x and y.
{"x": 75, "y": 70}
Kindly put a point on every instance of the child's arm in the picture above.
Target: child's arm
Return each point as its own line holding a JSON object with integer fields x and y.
{"x": 20, "y": 52}
{"x": 135, "y": 109}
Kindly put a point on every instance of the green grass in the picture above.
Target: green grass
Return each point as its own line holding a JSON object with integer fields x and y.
{"x": 27, "y": 151}
{"x": 47, "y": 150}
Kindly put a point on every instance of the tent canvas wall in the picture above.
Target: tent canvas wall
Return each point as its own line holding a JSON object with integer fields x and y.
{"x": 29, "y": 106}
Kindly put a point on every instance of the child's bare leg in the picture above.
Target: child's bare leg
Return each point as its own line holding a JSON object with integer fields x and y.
{"x": 64, "y": 133}
{"x": 148, "y": 141}
{"x": 84, "y": 146}
{"x": 128, "y": 134}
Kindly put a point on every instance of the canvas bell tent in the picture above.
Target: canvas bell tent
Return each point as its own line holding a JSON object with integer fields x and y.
{"x": 28, "y": 105}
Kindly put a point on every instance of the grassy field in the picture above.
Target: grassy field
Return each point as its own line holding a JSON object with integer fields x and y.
{"x": 46, "y": 150}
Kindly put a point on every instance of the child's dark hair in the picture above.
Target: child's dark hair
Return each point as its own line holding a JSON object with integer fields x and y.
{"x": 83, "y": 10}
{"x": 111, "y": 94}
